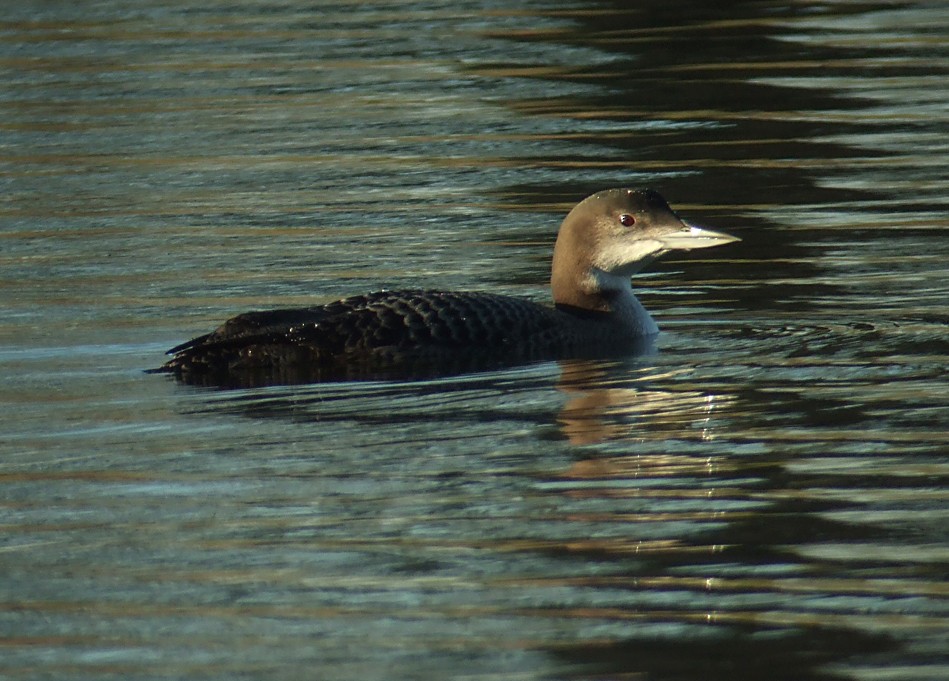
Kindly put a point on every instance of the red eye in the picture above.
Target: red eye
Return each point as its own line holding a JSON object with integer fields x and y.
{"x": 627, "y": 220}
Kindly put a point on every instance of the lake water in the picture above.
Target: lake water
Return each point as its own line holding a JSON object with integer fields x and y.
{"x": 763, "y": 498}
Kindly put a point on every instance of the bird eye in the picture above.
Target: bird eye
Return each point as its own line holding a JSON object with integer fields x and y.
{"x": 627, "y": 220}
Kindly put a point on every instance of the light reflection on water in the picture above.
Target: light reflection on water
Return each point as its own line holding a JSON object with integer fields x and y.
{"x": 762, "y": 498}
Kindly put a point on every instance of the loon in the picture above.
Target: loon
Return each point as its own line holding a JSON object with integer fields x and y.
{"x": 602, "y": 242}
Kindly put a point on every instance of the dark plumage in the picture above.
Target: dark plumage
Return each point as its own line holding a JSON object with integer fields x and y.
{"x": 391, "y": 334}
{"x": 416, "y": 333}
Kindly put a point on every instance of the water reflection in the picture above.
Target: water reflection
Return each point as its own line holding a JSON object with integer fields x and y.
{"x": 607, "y": 403}
{"x": 762, "y": 498}
{"x": 606, "y": 400}
{"x": 765, "y": 653}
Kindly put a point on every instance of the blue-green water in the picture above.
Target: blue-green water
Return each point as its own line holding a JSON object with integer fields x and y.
{"x": 763, "y": 498}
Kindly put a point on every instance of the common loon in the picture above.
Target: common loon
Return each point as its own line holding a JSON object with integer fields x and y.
{"x": 603, "y": 241}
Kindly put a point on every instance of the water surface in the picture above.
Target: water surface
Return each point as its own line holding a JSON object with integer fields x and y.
{"x": 764, "y": 497}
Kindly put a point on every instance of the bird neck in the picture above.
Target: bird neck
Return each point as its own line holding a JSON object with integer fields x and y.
{"x": 602, "y": 294}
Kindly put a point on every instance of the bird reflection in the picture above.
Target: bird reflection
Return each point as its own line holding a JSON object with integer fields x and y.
{"x": 601, "y": 401}
{"x": 600, "y": 408}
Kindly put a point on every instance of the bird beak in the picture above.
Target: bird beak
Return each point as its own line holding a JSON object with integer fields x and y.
{"x": 693, "y": 236}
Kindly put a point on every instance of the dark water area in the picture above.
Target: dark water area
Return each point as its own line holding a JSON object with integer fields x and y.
{"x": 763, "y": 497}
